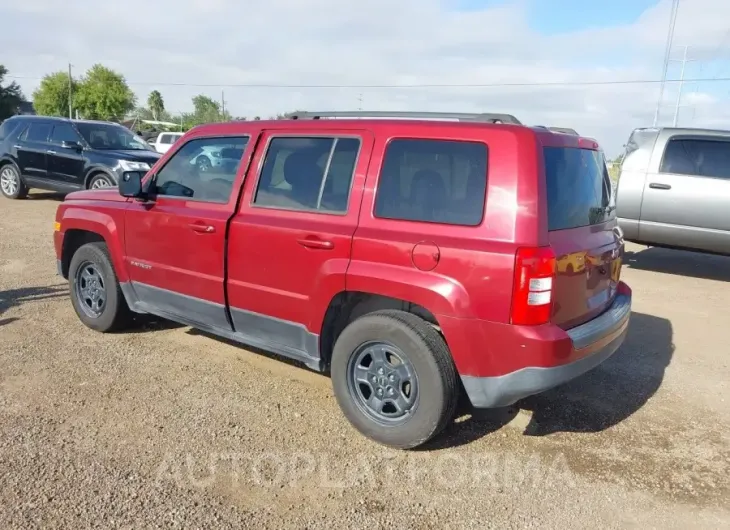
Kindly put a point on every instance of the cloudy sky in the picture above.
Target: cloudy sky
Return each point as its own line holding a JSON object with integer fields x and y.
{"x": 187, "y": 47}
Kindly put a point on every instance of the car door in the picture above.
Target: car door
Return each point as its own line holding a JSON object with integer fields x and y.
{"x": 32, "y": 148}
{"x": 289, "y": 244}
{"x": 65, "y": 164}
{"x": 686, "y": 194}
{"x": 175, "y": 242}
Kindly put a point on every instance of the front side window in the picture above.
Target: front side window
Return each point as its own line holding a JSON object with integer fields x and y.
{"x": 578, "y": 188}
{"x": 107, "y": 136}
{"x": 308, "y": 173}
{"x": 193, "y": 174}
{"x": 697, "y": 157}
{"x": 63, "y": 132}
{"x": 433, "y": 181}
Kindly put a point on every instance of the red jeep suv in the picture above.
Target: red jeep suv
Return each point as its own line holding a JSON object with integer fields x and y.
{"x": 410, "y": 258}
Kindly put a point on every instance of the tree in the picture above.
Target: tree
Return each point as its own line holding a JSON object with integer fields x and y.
{"x": 156, "y": 104}
{"x": 51, "y": 97}
{"x": 10, "y": 96}
{"x": 103, "y": 94}
{"x": 205, "y": 110}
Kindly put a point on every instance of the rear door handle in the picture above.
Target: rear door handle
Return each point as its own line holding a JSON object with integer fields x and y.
{"x": 18, "y": 146}
{"x": 657, "y": 186}
{"x": 202, "y": 228}
{"x": 321, "y": 244}
{"x": 51, "y": 152}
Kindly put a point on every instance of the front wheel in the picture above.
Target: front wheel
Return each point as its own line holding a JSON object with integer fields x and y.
{"x": 101, "y": 181}
{"x": 394, "y": 378}
{"x": 11, "y": 183}
{"x": 95, "y": 292}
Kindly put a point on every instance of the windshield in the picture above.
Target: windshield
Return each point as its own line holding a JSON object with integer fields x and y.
{"x": 110, "y": 136}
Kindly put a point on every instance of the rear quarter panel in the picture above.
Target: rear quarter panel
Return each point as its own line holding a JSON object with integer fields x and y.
{"x": 474, "y": 274}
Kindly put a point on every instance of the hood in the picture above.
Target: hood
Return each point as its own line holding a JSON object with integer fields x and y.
{"x": 107, "y": 195}
{"x": 133, "y": 155}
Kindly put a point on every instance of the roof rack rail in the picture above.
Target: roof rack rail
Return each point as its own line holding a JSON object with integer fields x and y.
{"x": 485, "y": 117}
{"x": 564, "y": 130}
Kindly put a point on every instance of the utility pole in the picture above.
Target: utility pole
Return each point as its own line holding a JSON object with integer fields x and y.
{"x": 667, "y": 50}
{"x": 223, "y": 104}
{"x": 359, "y": 99}
{"x": 70, "y": 94}
{"x": 681, "y": 83}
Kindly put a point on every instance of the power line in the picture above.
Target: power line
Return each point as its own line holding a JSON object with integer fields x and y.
{"x": 425, "y": 85}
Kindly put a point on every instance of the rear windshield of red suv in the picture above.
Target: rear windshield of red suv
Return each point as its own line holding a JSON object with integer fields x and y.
{"x": 578, "y": 188}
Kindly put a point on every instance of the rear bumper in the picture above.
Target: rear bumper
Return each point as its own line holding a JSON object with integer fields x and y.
{"x": 592, "y": 343}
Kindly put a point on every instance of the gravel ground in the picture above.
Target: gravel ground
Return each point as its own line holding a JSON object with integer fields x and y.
{"x": 168, "y": 428}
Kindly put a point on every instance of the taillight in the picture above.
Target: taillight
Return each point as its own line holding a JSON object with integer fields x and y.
{"x": 532, "y": 292}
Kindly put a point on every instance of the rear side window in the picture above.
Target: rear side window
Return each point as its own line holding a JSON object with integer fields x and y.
{"x": 578, "y": 188}
{"x": 697, "y": 157}
{"x": 308, "y": 174}
{"x": 433, "y": 181}
{"x": 7, "y": 128}
{"x": 38, "y": 132}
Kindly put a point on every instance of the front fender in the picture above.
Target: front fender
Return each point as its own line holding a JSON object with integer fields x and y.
{"x": 438, "y": 294}
{"x": 104, "y": 224}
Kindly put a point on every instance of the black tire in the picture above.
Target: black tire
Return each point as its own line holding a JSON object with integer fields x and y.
{"x": 115, "y": 314}
{"x": 101, "y": 178}
{"x": 20, "y": 189}
{"x": 425, "y": 350}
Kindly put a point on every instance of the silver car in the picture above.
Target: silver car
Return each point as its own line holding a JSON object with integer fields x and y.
{"x": 674, "y": 189}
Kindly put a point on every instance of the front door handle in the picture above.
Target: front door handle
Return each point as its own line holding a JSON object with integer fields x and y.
{"x": 658, "y": 186}
{"x": 320, "y": 244}
{"x": 202, "y": 228}
{"x": 51, "y": 152}
{"x": 18, "y": 146}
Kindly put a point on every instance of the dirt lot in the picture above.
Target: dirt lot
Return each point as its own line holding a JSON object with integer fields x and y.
{"x": 166, "y": 427}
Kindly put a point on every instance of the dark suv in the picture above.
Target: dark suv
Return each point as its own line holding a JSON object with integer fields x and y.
{"x": 64, "y": 155}
{"x": 410, "y": 258}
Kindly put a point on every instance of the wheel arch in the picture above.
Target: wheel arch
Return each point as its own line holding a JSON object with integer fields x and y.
{"x": 94, "y": 171}
{"x": 347, "y": 306}
{"x": 84, "y": 226}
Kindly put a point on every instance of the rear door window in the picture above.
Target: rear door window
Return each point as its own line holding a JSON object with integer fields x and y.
{"x": 38, "y": 132}
{"x": 433, "y": 181}
{"x": 578, "y": 188}
{"x": 697, "y": 157}
{"x": 308, "y": 174}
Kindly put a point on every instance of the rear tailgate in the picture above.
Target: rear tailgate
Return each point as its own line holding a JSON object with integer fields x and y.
{"x": 582, "y": 233}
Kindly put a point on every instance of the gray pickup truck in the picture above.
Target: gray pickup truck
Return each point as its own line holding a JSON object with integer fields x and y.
{"x": 674, "y": 189}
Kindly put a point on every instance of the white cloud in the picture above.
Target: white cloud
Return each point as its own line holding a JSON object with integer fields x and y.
{"x": 382, "y": 42}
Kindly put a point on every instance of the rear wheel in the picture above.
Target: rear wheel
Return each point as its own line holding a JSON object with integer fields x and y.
{"x": 11, "y": 183}
{"x": 95, "y": 292}
{"x": 394, "y": 378}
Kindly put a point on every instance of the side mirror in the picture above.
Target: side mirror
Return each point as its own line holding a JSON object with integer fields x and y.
{"x": 131, "y": 185}
{"x": 71, "y": 145}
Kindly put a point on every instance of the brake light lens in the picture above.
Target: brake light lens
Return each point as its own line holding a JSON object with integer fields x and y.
{"x": 532, "y": 292}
